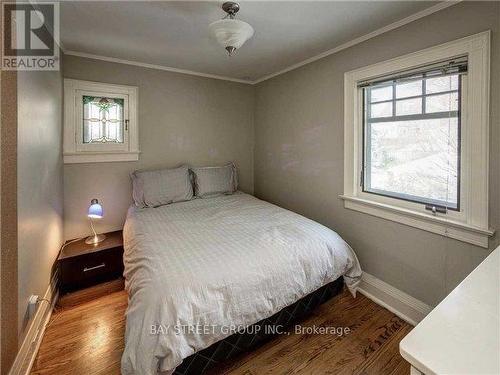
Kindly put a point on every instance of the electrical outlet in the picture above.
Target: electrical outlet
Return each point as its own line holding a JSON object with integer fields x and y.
{"x": 32, "y": 305}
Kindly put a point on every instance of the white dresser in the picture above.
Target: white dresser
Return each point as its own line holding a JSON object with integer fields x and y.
{"x": 462, "y": 334}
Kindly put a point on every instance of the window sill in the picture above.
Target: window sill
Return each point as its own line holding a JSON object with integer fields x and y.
{"x": 100, "y": 157}
{"x": 435, "y": 224}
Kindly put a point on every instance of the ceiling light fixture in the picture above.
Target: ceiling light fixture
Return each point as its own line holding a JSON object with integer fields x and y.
{"x": 229, "y": 32}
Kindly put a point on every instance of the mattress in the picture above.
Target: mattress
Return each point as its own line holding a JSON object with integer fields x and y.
{"x": 196, "y": 272}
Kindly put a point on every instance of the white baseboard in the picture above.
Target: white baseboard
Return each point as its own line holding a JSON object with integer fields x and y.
{"x": 403, "y": 305}
{"x": 31, "y": 343}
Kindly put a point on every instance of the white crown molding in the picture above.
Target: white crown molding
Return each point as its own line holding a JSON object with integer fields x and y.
{"x": 373, "y": 34}
{"x": 361, "y": 39}
{"x": 154, "y": 66}
{"x": 396, "y": 301}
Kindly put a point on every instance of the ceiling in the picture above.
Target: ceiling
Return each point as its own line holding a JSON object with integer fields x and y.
{"x": 174, "y": 33}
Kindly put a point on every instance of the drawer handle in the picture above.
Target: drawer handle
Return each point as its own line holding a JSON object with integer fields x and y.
{"x": 94, "y": 268}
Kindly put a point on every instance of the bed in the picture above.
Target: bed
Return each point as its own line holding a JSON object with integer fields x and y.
{"x": 199, "y": 271}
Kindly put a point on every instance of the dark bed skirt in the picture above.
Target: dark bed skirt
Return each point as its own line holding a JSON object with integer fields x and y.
{"x": 238, "y": 343}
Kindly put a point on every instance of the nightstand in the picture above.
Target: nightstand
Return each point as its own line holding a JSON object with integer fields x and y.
{"x": 82, "y": 265}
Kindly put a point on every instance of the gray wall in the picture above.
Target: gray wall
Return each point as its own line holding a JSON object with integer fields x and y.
{"x": 182, "y": 119}
{"x": 299, "y": 154}
{"x": 40, "y": 184}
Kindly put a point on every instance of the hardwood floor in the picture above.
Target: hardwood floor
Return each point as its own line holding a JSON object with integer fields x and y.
{"x": 85, "y": 336}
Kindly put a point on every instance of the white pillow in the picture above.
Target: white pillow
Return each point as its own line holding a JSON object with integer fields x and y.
{"x": 162, "y": 186}
{"x": 210, "y": 181}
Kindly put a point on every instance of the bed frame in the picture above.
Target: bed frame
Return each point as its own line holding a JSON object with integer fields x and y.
{"x": 238, "y": 343}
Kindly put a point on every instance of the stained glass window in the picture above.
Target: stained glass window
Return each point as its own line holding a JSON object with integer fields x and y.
{"x": 102, "y": 120}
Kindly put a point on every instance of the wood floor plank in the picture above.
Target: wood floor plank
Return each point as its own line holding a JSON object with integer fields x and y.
{"x": 387, "y": 361}
{"x": 85, "y": 336}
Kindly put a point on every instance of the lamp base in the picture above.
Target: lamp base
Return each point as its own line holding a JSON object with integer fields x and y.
{"x": 93, "y": 240}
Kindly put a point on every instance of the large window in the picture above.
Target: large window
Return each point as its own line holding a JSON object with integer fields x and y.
{"x": 100, "y": 122}
{"x": 411, "y": 133}
{"x": 416, "y": 139}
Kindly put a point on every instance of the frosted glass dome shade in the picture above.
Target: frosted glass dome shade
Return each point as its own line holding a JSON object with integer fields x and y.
{"x": 231, "y": 33}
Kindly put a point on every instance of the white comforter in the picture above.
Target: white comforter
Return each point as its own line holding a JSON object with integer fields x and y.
{"x": 221, "y": 262}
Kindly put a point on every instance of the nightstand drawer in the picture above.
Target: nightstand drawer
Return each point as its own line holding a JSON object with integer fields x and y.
{"x": 92, "y": 268}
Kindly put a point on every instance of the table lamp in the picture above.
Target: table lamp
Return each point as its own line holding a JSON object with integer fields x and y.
{"x": 95, "y": 212}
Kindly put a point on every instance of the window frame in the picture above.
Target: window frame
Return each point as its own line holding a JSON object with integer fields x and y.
{"x": 470, "y": 223}
{"x": 461, "y": 92}
{"x": 74, "y": 149}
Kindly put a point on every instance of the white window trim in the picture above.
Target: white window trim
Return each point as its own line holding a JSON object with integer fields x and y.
{"x": 472, "y": 226}
{"x": 71, "y": 153}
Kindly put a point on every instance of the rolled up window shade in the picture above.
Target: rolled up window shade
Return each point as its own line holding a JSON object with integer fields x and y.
{"x": 454, "y": 66}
